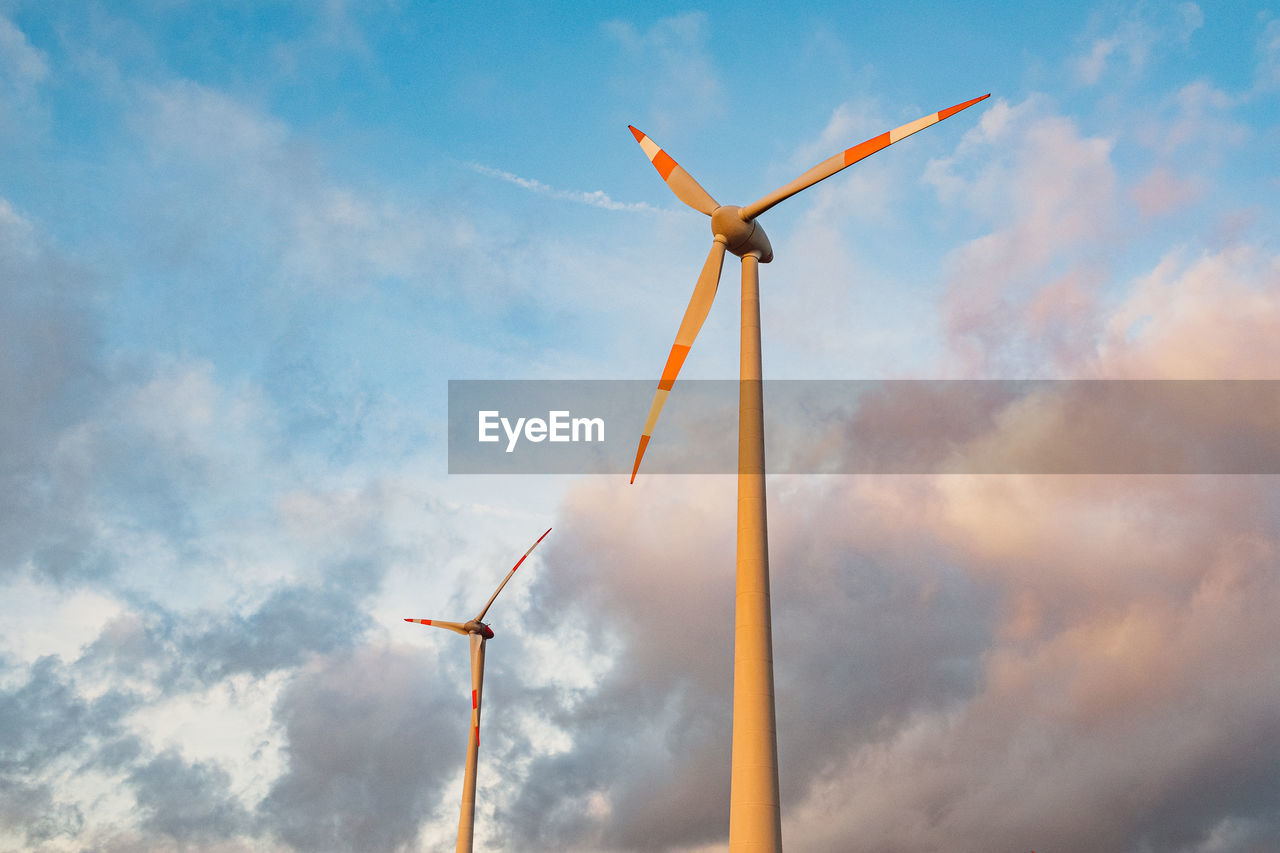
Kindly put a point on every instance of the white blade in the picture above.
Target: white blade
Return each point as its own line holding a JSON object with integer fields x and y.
{"x": 704, "y": 293}
{"x": 681, "y": 182}
{"x": 477, "y": 684}
{"x": 509, "y": 574}
{"x": 456, "y": 627}
{"x": 848, "y": 157}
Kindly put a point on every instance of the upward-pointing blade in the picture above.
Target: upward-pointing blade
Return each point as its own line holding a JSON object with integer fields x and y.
{"x": 509, "y": 574}
{"x": 704, "y": 293}
{"x": 848, "y": 157}
{"x": 681, "y": 182}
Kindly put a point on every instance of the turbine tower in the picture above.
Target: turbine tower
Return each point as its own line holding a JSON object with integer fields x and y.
{"x": 478, "y": 632}
{"x": 755, "y": 817}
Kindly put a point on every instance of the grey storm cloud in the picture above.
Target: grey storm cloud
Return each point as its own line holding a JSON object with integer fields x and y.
{"x": 371, "y": 740}
{"x": 48, "y": 382}
{"x": 651, "y": 737}
{"x": 45, "y": 718}
{"x": 44, "y": 721}
{"x": 31, "y": 809}
{"x": 859, "y": 644}
{"x": 188, "y": 802}
{"x": 294, "y": 623}
{"x": 951, "y": 679}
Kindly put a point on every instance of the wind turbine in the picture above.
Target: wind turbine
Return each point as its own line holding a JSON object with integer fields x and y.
{"x": 755, "y": 821}
{"x": 479, "y": 633}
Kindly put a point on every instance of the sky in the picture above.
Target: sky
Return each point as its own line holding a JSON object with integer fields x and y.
{"x": 244, "y": 247}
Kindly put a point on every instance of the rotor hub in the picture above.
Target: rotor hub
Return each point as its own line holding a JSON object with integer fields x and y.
{"x": 475, "y": 626}
{"x": 741, "y": 237}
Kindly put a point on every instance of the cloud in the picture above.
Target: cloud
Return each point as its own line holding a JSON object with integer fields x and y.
{"x": 23, "y": 70}
{"x": 48, "y": 727}
{"x": 231, "y": 187}
{"x": 188, "y": 802}
{"x": 651, "y": 733}
{"x": 646, "y": 768}
{"x": 596, "y": 198}
{"x": 672, "y": 59}
{"x": 1267, "y": 75}
{"x": 1095, "y": 689}
{"x": 1162, "y": 192}
{"x": 372, "y": 736}
{"x": 961, "y": 662}
{"x": 1129, "y": 37}
{"x": 1026, "y": 286}
{"x": 1210, "y": 317}
{"x": 1200, "y": 124}
{"x": 48, "y": 341}
{"x": 31, "y": 810}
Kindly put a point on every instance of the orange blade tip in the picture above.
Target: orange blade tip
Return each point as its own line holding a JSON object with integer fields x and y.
{"x": 644, "y": 442}
{"x": 636, "y": 133}
{"x": 950, "y": 111}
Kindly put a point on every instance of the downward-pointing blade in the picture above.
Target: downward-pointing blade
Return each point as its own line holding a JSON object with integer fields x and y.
{"x": 704, "y": 293}
{"x": 509, "y": 574}
{"x": 681, "y": 182}
{"x": 477, "y": 683}
{"x": 849, "y": 156}
{"x": 456, "y": 627}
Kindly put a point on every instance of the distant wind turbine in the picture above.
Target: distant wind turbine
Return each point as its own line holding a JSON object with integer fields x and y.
{"x": 479, "y": 633}
{"x": 755, "y": 821}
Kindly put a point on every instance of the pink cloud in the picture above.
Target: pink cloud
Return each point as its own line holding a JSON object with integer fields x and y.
{"x": 1211, "y": 318}
{"x": 1161, "y": 192}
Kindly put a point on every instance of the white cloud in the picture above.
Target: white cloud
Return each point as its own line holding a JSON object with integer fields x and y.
{"x": 595, "y": 198}
{"x": 1048, "y": 192}
{"x": 673, "y": 62}
{"x": 1268, "y": 69}
{"x": 1132, "y": 35}
{"x": 23, "y": 68}
{"x": 1213, "y": 317}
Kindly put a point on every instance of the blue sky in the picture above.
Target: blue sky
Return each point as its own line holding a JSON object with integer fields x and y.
{"x": 244, "y": 246}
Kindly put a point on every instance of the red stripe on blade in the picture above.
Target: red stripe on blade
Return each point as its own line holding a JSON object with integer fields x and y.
{"x": 675, "y": 361}
{"x": 664, "y": 164}
{"x": 866, "y": 149}
{"x": 950, "y": 111}
{"x": 644, "y": 442}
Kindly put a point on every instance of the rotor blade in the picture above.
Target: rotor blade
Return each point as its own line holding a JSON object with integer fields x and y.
{"x": 681, "y": 182}
{"x": 456, "y": 627}
{"x": 704, "y": 292}
{"x": 477, "y": 683}
{"x": 848, "y": 157}
{"x": 509, "y": 574}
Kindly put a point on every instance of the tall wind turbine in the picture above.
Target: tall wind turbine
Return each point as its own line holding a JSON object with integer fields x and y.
{"x": 755, "y": 822}
{"x": 479, "y": 633}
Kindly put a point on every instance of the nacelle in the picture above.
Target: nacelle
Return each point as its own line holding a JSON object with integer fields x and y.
{"x": 740, "y": 237}
{"x": 475, "y": 626}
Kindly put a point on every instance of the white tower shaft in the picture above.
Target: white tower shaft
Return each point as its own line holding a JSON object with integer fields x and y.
{"x": 755, "y": 816}
{"x": 467, "y": 820}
